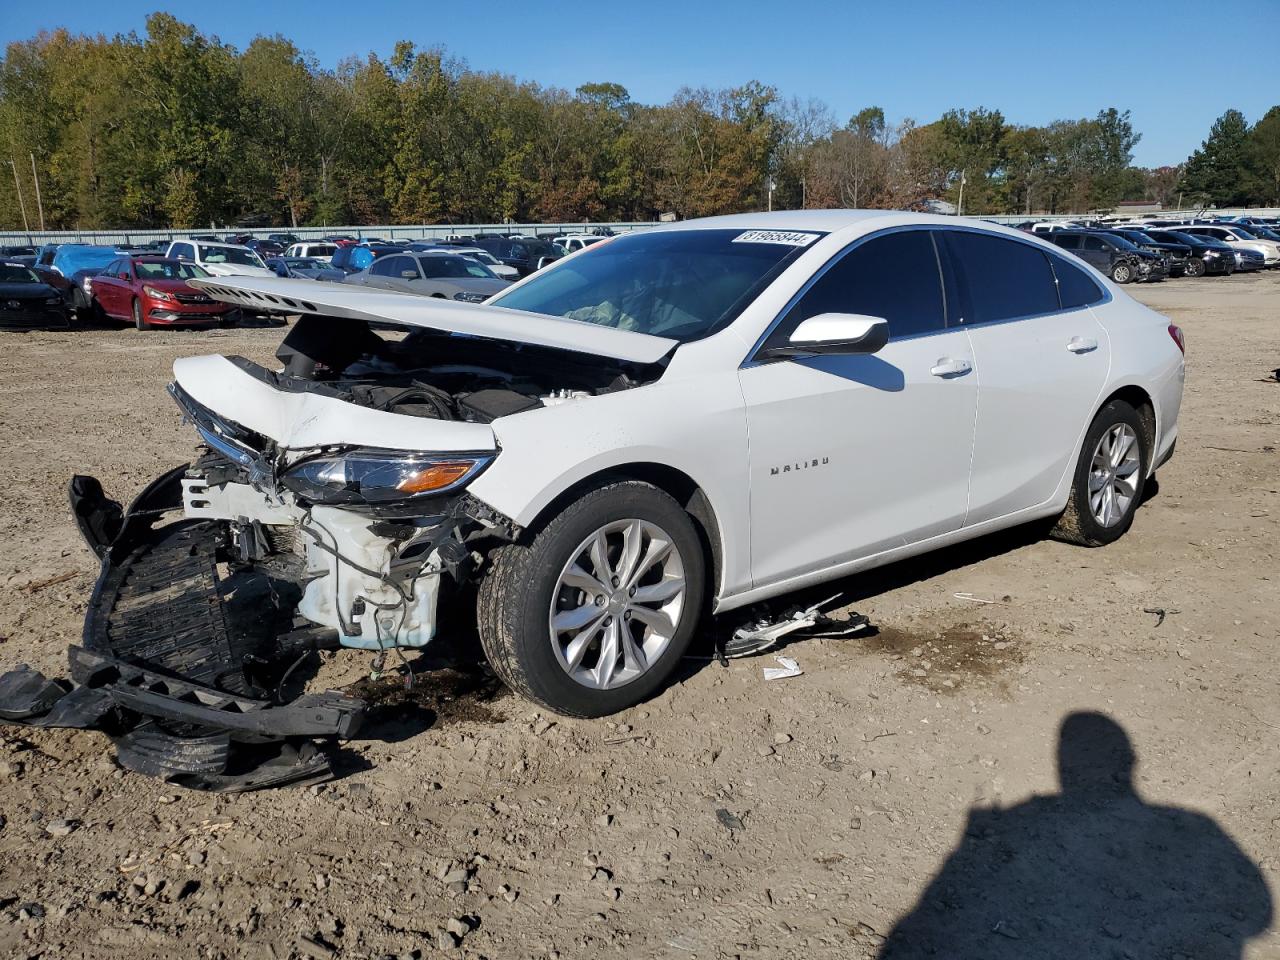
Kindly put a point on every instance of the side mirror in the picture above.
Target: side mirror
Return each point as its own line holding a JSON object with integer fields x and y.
{"x": 833, "y": 334}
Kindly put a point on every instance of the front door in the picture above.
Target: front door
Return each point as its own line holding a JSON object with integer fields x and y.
{"x": 854, "y": 455}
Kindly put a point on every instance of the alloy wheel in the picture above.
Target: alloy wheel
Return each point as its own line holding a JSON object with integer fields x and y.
{"x": 617, "y": 603}
{"x": 1113, "y": 474}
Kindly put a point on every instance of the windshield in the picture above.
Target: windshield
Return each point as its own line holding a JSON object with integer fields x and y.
{"x": 1121, "y": 242}
{"x": 16, "y": 273}
{"x": 167, "y": 270}
{"x": 455, "y": 267}
{"x": 683, "y": 284}
{"x": 229, "y": 255}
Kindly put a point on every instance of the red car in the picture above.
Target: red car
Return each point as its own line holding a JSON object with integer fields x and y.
{"x": 153, "y": 292}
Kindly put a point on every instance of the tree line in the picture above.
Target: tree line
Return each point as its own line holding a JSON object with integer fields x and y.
{"x": 175, "y": 129}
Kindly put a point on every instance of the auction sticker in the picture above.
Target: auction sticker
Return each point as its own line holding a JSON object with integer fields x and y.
{"x": 791, "y": 238}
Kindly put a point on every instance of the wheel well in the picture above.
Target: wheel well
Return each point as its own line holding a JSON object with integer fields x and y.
{"x": 1140, "y": 400}
{"x": 678, "y": 484}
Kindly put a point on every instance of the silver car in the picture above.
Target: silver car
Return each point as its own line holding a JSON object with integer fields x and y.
{"x": 431, "y": 274}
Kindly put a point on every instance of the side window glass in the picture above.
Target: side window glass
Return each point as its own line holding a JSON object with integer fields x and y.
{"x": 895, "y": 276}
{"x": 389, "y": 267}
{"x": 1094, "y": 243}
{"x": 1068, "y": 241}
{"x": 1075, "y": 287}
{"x": 405, "y": 265}
{"x": 1004, "y": 279}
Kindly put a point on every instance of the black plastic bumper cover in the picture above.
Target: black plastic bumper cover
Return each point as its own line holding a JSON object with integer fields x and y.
{"x": 157, "y": 667}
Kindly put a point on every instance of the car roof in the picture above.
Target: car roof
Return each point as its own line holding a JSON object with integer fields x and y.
{"x": 214, "y": 243}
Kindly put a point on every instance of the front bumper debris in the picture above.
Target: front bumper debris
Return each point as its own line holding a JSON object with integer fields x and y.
{"x": 177, "y": 664}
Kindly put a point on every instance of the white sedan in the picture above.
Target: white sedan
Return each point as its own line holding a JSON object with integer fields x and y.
{"x": 676, "y": 423}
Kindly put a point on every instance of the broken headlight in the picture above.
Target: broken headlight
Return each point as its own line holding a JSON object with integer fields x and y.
{"x": 376, "y": 477}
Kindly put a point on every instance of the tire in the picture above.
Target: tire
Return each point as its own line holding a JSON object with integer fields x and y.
{"x": 1122, "y": 273}
{"x": 138, "y": 320}
{"x": 1080, "y": 523}
{"x": 1195, "y": 268}
{"x": 525, "y": 587}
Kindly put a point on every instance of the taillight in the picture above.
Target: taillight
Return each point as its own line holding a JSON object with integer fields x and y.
{"x": 1175, "y": 331}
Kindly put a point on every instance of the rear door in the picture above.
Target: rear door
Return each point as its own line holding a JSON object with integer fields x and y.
{"x": 1042, "y": 360}
{"x": 855, "y": 455}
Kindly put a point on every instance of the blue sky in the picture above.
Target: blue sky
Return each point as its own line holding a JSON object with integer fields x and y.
{"x": 1034, "y": 60}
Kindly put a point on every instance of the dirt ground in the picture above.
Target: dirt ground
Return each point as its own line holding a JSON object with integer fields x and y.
{"x": 907, "y": 779}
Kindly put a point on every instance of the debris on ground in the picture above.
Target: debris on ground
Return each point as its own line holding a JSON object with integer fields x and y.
{"x": 765, "y": 633}
{"x": 788, "y": 668}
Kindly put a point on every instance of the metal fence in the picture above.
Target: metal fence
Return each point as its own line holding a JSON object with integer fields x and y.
{"x": 30, "y": 238}
{"x": 441, "y": 231}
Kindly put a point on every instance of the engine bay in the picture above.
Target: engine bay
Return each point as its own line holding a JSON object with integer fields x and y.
{"x": 441, "y": 376}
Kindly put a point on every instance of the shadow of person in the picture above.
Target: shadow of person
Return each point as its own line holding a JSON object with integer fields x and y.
{"x": 1091, "y": 872}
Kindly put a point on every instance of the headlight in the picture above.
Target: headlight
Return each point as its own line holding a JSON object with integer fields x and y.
{"x": 53, "y": 301}
{"x": 470, "y": 297}
{"x": 87, "y": 284}
{"x": 159, "y": 294}
{"x": 376, "y": 477}
{"x": 1210, "y": 254}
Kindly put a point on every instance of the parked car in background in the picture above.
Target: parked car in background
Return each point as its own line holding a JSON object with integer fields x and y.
{"x": 46, "y": 253}
{"x": 219, "y": 259}
{"x": 1248, "y": 260}
{"x": 265, "y": 248}
{"x": 1176, "y": 253}
{"x": 284, "y": 239}
{"x": 499, "y": 269}
{"x": 80, "y": 263}
{"x": 316, "y": 250}
{"x": 207, "y": 237}
{"x": 526, "y": 255}
{"x": 1235, "y": 236}
{"x": 1114, "y": 256}
{"x": 573, "y": 242}
{"x": 1207, "y": 256}
{"x": 643, "y": 435}
{"x": 351, "y": 259}
{"x": 305, "y": 268}
{"x": 153, "y": 292}
{"x": 29, "y": 303}
{"x": 432, "y": 274}
{"x": 9, "y": 253}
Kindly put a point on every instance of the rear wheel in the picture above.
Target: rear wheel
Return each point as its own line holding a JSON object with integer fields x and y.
{"x": 138, "y": 320}
{"x": 1122, "y": 273}
{"x": 1109, "y": 478}
{"x": 592, "y": 615}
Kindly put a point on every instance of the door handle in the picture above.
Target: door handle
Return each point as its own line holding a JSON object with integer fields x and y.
{"x": 947, "y": 367}
{"x": 1082, "y": 344}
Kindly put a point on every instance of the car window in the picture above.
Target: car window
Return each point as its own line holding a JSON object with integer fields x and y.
{"x": 1001, "y": 278}
{"x": 1068, "y": 241}
{"x": 386, "y": 268}
{"x": 1095, "y": 243}
{"x": 895, "y": 276}
{"x": 1075, "y": 287}
{"x": 684, "y": 283}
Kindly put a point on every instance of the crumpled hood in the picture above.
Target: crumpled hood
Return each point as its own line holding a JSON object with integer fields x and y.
{"x": 305, "y": 421}
{"x": 477, "y": 320}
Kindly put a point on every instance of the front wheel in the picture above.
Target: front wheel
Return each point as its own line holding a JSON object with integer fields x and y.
{"x": 138, "y": 320}
{"x": 1122, "y": 273}
{"x": 592, "y": 615}
{"x": 1109, "y": 478}
{"x": 1195, "y": 268}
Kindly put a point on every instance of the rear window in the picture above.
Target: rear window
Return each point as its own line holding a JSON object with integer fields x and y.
{"x": 1001, "y": 278}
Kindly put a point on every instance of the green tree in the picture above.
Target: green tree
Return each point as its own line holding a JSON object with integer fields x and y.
{"x": 1217, "y": 174}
